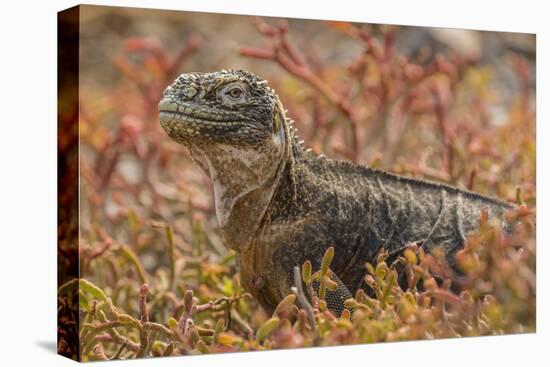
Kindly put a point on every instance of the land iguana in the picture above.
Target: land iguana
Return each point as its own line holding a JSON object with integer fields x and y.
{"x": 278, "y": 204}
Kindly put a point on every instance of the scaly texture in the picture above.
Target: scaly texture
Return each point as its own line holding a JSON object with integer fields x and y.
{"x": 278, "y": 204}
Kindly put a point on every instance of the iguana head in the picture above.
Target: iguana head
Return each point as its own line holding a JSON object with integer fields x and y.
{"x": 227, "y": 107}
{"x": 235, "y": 129}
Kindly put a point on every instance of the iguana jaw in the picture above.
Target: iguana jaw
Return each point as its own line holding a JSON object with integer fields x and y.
{"x": 183, "y": 121}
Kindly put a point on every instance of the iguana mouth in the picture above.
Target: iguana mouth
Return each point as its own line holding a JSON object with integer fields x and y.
{"x": 180, "y": 119}
{"x": 170, "y": 110}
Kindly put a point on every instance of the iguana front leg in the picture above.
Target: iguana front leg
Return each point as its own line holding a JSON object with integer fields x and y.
{"x": 335, "y": 299}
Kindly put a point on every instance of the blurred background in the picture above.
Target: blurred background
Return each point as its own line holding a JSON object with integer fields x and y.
{"x": 449, "y": 105}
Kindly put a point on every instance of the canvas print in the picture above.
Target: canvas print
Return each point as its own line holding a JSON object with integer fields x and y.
{"x": 232, "y": 183}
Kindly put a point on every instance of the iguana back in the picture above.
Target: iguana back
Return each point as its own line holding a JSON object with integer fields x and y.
{"x": 361, "y": 211}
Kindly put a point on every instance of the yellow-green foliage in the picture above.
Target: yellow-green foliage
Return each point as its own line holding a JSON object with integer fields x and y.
{"x": 496, "y": 296}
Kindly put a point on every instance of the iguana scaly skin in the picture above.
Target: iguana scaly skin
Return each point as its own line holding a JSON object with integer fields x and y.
{"x": 278, "y": 204}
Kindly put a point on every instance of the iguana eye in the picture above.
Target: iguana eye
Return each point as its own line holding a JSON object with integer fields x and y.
{"x": 235, "y": 92}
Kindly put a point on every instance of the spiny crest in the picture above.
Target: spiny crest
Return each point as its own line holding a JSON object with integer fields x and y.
{"x": 298, "y": 146}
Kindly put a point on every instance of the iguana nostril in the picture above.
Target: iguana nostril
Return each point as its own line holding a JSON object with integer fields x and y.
{"x": 190, "y": 92}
